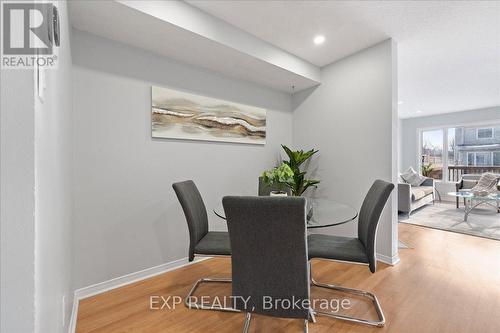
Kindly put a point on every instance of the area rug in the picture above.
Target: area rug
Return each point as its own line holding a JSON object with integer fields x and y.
{"x": 483, "y": 221}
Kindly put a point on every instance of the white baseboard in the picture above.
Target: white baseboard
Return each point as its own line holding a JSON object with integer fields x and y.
{"x": 74, "y": 314}
{"x": 388, "y": 260}
{"x": 121, "y": 281}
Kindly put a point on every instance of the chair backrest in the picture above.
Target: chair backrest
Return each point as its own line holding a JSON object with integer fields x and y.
{"x": 269, "y": 254}
{"x": 265, "y": 190}
{"x": 369, "y": 216}
{"x": 471, "y": 176}
{"x": 194, "y": 210}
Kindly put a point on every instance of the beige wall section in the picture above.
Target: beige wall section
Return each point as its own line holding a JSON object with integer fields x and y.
{"x": 126, "y": 215}
{"x": 351, "y": 118}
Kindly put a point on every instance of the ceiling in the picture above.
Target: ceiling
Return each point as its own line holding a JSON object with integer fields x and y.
{"x": 448, "y": 51}
{"x": 176, "y": 30}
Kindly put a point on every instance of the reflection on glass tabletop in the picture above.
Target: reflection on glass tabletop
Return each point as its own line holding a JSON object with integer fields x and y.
{"x": 320, "y": 213}
{"x": 471, "y": 195}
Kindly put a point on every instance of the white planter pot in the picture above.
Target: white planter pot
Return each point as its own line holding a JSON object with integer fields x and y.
{"x": 278, "y": 194}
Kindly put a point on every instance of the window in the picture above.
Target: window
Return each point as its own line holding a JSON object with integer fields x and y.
{"x": 496, "y": 158}
{"x": 483, "y": 159}
{"x": 445, "y": 152}
{"x": 484, "y": 133}
{"x": 470, "y": 158}
{"x": 452, "y": 148}
{"x": 432, "y": 153}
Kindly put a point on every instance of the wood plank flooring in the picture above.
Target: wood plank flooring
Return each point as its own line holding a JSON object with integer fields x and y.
{"x": 446, "y": 282}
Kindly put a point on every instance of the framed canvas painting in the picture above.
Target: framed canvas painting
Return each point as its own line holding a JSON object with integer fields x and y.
{"x": 181, "y": 115}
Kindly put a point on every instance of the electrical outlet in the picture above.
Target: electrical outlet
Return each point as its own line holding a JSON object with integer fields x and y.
{"x": 63, "y": 311}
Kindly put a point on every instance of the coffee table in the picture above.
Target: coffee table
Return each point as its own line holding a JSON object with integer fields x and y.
{"x": 472, "y": 201}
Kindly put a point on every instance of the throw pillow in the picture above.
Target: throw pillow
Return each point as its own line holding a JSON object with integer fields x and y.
{"x": 412, "y": 177}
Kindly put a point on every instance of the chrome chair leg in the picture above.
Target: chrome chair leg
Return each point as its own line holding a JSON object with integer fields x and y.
{"x": 248, "y": 317}
{"x": 381, "y": 319}
{"x": 246, "y": 325}
{"x": 189, "y": 303}
{"x": 312, "y": 317}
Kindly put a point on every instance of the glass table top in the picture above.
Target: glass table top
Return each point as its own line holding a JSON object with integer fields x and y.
{"x": 320, "y": 213}
{"x": 470, "y": 195}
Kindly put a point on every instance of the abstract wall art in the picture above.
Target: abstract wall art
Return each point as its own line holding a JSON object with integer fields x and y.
{"x": 180, "y": 115}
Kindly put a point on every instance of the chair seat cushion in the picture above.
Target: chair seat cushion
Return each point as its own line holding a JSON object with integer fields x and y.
{"x": 336, "y": 248}
{"x": 214, "y": 243}
{"x": 418, "y": 192}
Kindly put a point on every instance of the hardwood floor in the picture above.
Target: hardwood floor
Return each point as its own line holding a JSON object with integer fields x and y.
{"x": 446, "y": 282}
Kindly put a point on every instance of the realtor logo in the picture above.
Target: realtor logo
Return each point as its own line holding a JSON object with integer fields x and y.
{"x": 30, "y": 34}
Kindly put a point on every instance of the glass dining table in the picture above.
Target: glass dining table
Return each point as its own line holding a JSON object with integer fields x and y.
{"x": 321, "y": 213}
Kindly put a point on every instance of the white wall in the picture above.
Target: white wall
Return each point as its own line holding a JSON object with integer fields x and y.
{"x": 351, "y": 119}
{"x": 36, "y": 195}
{"x": 17, "y": 202}
{"x": 126, "y": 215}
{"x": 53, "y": 163}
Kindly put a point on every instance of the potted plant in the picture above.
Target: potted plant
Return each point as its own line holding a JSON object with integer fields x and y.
{"x": 278, "y": 177}
{"x": 427, "y": 170}
{"x": 299, "y": 183}
{"x": 289, "y": 173}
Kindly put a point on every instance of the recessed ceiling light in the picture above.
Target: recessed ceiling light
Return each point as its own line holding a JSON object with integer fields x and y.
{"x": 400, "y": 102}
{"x": 419, "y": 111}
{"x": 319, "y": 39}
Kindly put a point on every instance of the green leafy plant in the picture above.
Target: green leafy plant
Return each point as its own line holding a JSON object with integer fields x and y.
{"x": 427, "y": 169}
{"x": 299, "y": 184}
{"x": 280, "y": 176}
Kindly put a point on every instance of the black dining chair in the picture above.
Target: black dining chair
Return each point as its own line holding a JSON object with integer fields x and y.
{"x": 360, "y": 250}
{"x": 202, "y": 242}
{"x": 269, "y": 256}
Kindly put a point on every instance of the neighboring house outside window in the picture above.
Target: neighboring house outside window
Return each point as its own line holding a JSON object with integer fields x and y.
{"x": 470, "y": 158}
{"x": 483, "y": 159}
{"x": 496, "y": 158}
{"x": 477, "y": 146}
{"x": 484, "y": 133}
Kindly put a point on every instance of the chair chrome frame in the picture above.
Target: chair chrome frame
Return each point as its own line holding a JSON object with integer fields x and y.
{"x": 200, "y": 306}
{"x": 378, "y": 308}
{"x": 312, "y": 312}
{"x": 248, "y": 317}
{"x": 312, "y": 317}
{"x": 358, "y": 292}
